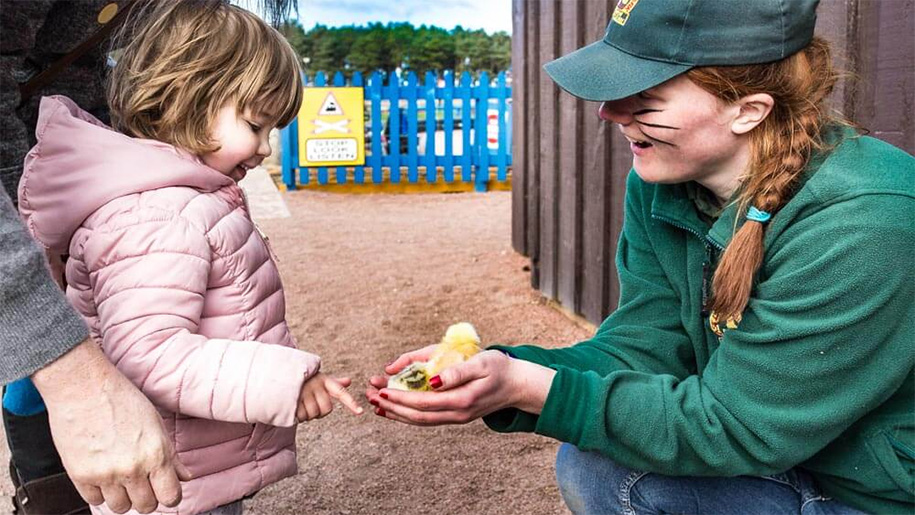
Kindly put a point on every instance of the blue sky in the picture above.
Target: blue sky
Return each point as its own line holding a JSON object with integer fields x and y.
{"x": 489, "y": 15}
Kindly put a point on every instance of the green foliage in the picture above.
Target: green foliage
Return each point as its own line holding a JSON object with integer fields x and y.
{"x": 379, "y": 47}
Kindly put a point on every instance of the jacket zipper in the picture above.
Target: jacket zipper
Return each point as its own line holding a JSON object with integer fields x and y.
{"x": 706, "y": 264}
{"x": 257, "y": 229}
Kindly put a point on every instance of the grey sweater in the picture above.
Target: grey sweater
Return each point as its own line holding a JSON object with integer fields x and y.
{"x": 37, "y": 325}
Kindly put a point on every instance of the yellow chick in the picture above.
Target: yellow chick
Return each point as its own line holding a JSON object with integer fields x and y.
{"x": 458, "y": 345}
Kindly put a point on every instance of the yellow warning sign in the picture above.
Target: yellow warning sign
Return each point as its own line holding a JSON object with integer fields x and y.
{"x": 332, "y": 127}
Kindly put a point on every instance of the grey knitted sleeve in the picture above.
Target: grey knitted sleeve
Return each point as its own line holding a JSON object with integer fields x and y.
{"x": 37, "y": 325}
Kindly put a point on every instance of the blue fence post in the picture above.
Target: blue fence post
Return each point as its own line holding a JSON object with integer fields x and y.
{"x": 375, "y": 161}
{"x": 340, "y": 172}
{"x": 448, "y": 126}
{"x": 481, "y": 147}
{"x": 429, "y": 87}
{"x": 501, "y": 172}
{"x": 359, "y": 171}
{"x": 412, "y": 127}
{"x": 467, "y": 151}
{"x": 508, "y": 124}
{"x": 287, "y": 156}
{"x": 392, "y": 92}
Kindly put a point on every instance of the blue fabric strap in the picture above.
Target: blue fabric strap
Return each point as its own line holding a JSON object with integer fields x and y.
{"x": 22, "y": 398}
{"x": 758, "y": 216}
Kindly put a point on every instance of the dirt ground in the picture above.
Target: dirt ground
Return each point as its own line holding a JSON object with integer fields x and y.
{"x": 370, "y": 276}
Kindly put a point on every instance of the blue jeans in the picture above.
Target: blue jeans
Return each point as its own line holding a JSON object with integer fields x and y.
{"x": 593, "y": 484}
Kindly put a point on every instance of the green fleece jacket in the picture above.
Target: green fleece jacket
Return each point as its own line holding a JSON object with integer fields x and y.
{"x": 819, "y": 373}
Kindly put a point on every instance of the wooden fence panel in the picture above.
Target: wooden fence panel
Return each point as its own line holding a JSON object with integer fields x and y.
{"x": 570, "y": 169}
{"x": 569, "y": 176}
{"x": 548, "y": 149}
{"x": 521, "y": 109}
{"x": 596, "y": 246}
{"x": 886, "y": 39}
{"x": 531, "y": 136}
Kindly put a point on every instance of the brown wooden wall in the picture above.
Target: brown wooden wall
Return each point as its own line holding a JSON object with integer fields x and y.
{"x": 569, "y": 170}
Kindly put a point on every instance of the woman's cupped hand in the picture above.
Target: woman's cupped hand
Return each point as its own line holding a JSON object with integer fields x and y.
{"x": 487, "y": 382}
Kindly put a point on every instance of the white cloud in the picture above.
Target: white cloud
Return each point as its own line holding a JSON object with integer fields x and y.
{"x": 489, "y": 15}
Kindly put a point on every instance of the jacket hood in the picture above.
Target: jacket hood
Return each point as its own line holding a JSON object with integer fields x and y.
{"x": 80, "y": 164}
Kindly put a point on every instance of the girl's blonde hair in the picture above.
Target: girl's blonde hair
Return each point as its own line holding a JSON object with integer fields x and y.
{"x": 780, "y": 148}
{"x": 180, "y": 62}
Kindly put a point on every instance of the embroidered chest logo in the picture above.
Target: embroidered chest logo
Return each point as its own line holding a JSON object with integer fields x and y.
{"x": 622, "y": 11}
{"x": 715, "y": 324}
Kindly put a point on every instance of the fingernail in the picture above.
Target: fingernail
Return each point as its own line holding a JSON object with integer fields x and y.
{"x": 435, "y": 382}
{"x": 380, "y": 412}
{"x": 389, "y": 363}
{"x": 374, "y": 402}
{"x": 383, "y": 395}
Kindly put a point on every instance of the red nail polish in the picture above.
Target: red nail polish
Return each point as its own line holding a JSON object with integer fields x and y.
{"x": 383, "y": 395}
{"x": 380, "y": 412}
{"x": 435, "y": 382}
{"x": 374, "y": 402}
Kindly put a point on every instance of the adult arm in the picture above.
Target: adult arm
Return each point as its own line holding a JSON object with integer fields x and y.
{"x": 37, "y": 325}
{"x": 148, "y": 282}
{"x": 828, "y": 336}
{"x": 109, "y": 437}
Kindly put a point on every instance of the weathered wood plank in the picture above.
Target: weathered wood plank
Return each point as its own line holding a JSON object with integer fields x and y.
{"x": 532, "y": 137}
{"x": 597, "y": 249}
{"x": 549, "y": 143}
{"x": 569, "y": 175}
{"x": 520, "y": 110}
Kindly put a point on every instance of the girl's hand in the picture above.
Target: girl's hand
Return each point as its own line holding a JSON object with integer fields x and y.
{"x": 318, "y": 394}
{"x": 485, "y": 383}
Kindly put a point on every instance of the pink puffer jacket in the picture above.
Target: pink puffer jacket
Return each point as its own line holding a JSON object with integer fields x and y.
{"x": 179, "y": 288}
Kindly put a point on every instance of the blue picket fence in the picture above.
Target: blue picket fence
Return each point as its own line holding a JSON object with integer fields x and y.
{"x": 466, "y": 109}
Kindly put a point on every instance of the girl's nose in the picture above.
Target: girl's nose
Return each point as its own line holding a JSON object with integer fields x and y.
{"x": 617, "y": 111}
{"x": 264, "y": 148}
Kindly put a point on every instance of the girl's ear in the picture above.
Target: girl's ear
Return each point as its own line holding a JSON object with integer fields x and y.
{"x": 753, "y": 110}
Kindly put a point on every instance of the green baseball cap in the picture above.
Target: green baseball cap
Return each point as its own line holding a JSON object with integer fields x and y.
{"x": 650, "y": 41}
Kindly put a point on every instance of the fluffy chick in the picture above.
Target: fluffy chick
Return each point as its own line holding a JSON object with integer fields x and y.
{"x": 458, "y": 345}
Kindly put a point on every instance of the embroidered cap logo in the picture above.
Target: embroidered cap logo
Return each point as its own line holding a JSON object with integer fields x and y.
{"x": 622, "y": 11}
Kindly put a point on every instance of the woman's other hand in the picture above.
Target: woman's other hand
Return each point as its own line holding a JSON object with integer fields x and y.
{"x": 485, "y": 383}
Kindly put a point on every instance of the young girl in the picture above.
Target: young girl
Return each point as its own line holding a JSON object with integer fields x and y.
{"x": 782, "y": 381}
{"x": 165, "y": 263}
